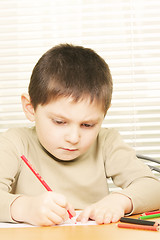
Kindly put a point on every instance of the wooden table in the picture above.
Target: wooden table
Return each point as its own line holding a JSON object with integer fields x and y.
{"x": 92, "y": 232}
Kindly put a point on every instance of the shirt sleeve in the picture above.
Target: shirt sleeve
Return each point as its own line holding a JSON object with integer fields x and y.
{"x": 131, "y": 174}
{"x": 9, "y": 170}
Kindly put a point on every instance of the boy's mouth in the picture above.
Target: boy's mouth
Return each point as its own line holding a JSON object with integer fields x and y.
{"x": 70, "y": 149}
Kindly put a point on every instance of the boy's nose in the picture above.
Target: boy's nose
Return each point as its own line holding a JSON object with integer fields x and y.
{"x": 73, "y": 135}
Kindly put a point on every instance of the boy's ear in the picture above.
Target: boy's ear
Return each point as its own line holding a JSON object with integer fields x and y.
{"x": 27, "y": 107}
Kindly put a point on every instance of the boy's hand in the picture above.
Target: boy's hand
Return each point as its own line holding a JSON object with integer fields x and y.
{"x": 47, "y": 209}
{"x": 109, "y": 209}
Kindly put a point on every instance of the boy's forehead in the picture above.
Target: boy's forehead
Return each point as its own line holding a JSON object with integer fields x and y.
{"x": 86, "y": 100}
{"x": 67, "y": 104}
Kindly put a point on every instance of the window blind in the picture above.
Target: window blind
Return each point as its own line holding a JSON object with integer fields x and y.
{"x": 126, "y": 33}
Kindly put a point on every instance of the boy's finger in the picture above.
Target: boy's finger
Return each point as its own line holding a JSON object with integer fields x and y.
{"x": 107, "y": 218}
{"x": 71, "y": 210}
{"x": 54, "y": 218}
{"x": 100, "y": 218}
{"x": 116, "y": 218}
{"x": 59, "y": 200}
{"x": 84, "y": 216}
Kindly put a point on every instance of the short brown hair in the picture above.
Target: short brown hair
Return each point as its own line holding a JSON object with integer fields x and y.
{"x": 67, "y": 70}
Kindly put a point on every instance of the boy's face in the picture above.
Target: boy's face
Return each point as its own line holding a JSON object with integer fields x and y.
{"x": 67, "y": 129}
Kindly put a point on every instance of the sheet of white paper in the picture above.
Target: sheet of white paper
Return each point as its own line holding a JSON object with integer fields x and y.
{"x": 70, "y": 222}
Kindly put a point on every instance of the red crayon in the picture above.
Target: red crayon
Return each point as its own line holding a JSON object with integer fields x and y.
{"x": 136, "y": 226}
{"x": 39, "y": 178}
{"x": 150, "y": 213}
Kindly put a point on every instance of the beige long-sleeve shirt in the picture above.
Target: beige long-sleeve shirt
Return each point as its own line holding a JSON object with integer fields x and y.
{"x": 83, "y": 180}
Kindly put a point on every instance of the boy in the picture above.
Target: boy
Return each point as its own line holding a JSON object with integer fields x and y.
{"x": 69, "y": 95}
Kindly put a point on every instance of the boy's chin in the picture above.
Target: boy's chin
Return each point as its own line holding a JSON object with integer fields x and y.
{"x": 65, "y": 159}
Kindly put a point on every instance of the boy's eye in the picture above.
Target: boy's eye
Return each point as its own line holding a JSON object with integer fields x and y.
{"x": 86, "y": 125}
{"x": 59, "y": 122}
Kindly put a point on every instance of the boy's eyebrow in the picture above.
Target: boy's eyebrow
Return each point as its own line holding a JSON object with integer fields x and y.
{"x": 96, "y": 120}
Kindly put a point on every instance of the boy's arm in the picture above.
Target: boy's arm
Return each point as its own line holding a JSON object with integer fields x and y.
{"x": 5, "y": 204}
{"x": 8, "y": 174}
{"x": 141, "y": 196}
{"x": 145, "y": 194}
{"x": 131, "y": 174}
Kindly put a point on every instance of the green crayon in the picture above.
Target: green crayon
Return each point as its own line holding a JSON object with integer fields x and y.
{"x": 150, "y": 216}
